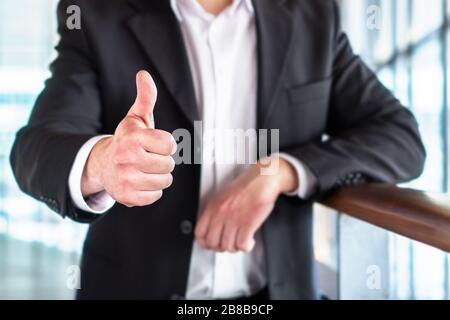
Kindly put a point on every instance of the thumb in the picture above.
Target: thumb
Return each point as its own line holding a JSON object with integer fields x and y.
{"x": 146, "y": 97}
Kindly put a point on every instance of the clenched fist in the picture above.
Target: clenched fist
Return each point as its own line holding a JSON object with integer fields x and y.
{"x": 134, "y": 166}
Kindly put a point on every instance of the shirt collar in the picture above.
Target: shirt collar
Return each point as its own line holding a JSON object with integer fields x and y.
{"x": 175, "y": 4}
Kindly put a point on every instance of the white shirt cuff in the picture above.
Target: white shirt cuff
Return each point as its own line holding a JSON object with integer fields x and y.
{"x": 307, "y": 180}
{"x": 98, "y": 203}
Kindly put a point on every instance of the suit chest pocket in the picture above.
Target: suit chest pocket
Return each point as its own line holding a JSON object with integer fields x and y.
{"x": 312, "y": 92}
{"x": 306, "y": 111}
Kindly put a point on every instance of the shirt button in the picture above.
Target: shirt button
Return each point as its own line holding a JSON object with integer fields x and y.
{"x": 186, "y": 227}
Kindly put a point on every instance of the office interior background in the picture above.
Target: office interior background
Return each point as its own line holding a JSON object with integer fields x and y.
{"x": 405, "y": 41}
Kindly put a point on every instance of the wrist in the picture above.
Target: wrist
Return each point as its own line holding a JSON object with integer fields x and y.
{"x": 283, "y": 173}
{"x": 91, "y": 181}
{"x": 289, "y": 180}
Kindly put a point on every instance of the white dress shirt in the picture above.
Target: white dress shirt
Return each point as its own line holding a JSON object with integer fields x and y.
{"x": 222, "y": 53}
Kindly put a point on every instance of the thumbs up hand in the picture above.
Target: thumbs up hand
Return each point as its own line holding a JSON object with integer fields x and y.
{"x": 135, "y": 164}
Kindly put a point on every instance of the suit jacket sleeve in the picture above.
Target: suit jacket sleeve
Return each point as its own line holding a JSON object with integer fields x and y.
{"x": 66, "y": 115}
{"x": 372, "y": 137}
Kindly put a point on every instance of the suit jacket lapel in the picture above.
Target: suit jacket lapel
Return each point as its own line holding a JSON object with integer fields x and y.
{"x": 157, "y": 31}
{"x": 275, "y": 30}
{"x": 155, "y": 20}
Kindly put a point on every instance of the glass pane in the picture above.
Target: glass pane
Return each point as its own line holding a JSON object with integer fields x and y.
{"x": 427, "y": 17}
{"x": 417, "y": 77}
{"x": 21, "y": 44}
{"x": 36, "y": 245}
{"x": 24, "y": 57}
{"x": 429, "y": 280}
{"x": 386, "y": 75}
{"x": 400, "y": 267}
{"x": 427, "y": 101}
{"x": 403, "y": 35}
{"x": 427, "y": 104}
{"x": 354, "y": 21}
{"x": 448, "y": 101}
{"x": 384, "y": 45}
{"x": 402, "y": 81}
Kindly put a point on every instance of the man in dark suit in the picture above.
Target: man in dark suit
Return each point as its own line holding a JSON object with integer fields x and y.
{"x": 220, "y": 230}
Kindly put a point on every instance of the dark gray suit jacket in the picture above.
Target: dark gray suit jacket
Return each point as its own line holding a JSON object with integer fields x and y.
{"x": 310, "y": 84}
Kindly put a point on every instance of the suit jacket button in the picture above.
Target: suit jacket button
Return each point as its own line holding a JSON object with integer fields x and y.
{"x": 186, "y": 227}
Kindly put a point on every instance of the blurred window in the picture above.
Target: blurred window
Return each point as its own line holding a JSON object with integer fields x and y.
{"x": 410, "y": 52}
{"x": 27, "y": 38}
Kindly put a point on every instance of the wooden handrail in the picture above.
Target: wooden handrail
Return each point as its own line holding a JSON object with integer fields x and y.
{"x": 418, "y": 215}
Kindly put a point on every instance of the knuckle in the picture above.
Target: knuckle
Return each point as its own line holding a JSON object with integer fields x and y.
{"x": 154, "y": 196}
{"x": 158, "y": 195}
{"x": 168, "y": 180}
{"x": 229, "y": 248}
{"x": 207, "y": 240}
{"x": 170, "y": 165}
{"x": 125, "y": 199}
{"x": 166, "y": 164}
{"x": 167, "y": 148}
{"x": 208, "y": 244}
{"x": 167, "y": 142}
{"x": 226, "y": 244}
{"x": 142, "y": 202}
{"x": 166, "y": 136}
{"x": 241, "y": 245}
{"x": 210, "y": 241}
{"x": 131, "y": 201}
{"x": 173, "y": 144}
{"x": 156, "y": 182}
